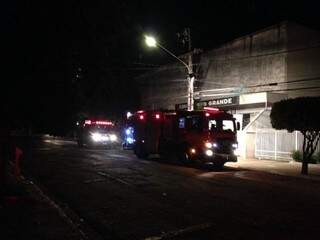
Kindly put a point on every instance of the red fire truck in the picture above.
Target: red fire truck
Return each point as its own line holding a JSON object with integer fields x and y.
{"x": 96, "y": 132}
{"x": 207, "y": 136}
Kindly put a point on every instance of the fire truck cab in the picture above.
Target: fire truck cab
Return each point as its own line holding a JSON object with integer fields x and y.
{"x": 96, "y": 132}
{"x": 208, "y": 136}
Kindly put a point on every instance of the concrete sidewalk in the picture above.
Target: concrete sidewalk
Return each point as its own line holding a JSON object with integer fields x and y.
{"x": 292, "y": 168}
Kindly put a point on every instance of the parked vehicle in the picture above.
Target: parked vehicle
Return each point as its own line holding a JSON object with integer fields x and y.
{"x": 208, "y": 136}
{"x": 96, "y": 133}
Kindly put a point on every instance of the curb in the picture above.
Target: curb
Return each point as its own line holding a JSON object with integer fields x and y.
{"x": 76, "y": 223}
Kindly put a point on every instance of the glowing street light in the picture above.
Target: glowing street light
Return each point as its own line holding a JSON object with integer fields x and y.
{"x": 152, "y": 42}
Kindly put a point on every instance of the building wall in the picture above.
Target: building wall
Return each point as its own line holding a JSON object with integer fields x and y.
{"x": 303, "y": 61}
{"x": 164, "y": 87}
{"x": 246, "y": 62}
{"x": 264, "y": 61}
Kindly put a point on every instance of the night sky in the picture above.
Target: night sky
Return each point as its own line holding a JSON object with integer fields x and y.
{"x": 68, "y": 59}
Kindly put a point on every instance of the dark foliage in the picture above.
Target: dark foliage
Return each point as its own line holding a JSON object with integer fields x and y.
{"x": 300, "y": 114}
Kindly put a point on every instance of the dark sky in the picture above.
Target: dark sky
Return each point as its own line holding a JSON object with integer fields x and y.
{"x": 67, "y": 58}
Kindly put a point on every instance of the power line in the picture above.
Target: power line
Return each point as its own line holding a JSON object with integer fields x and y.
{"x": 293, "y": 89}
{"x": 270, "y": 54}
{"x": 166, "y": 67}
{"x": 266, "y": 84}
{"x": 292, "y": 81}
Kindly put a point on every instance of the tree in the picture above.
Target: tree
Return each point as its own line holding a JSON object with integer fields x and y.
{"x": 299, "y": 114}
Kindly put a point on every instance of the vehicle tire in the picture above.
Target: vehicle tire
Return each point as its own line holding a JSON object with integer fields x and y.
{"x": 140, "y": 151}
{"x": 218, "y": 166}
{"x": 163, "y": 150}
{"x": 80, "y": 144}
{"x": 182, "y": 154}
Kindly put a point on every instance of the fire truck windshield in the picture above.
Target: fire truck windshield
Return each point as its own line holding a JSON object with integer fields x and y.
{"x": 221, "y": 125}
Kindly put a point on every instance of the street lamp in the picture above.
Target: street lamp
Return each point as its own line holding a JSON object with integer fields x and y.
{"x": 151, "y": 42}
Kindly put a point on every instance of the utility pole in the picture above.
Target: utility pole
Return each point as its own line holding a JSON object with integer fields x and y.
{"x": 191, "y": 77}
{"x": 151, "y": 42}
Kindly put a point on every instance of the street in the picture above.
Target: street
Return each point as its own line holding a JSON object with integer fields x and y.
{"x": 118, "y": 196}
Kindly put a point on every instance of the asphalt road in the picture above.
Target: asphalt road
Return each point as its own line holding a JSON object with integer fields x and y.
{"x": 117, "y": 196}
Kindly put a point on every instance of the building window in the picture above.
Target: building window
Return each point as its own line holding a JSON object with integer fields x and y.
{"x": 182, "y": 122}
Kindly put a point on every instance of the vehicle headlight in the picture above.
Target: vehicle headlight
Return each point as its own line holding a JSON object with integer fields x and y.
{"x": 215, "y": 145}
{"x": 209, "y": 153}
{"x": 113, "y": 137}
{"x": 208, "y": 145}
{"x": 96, "y": 137}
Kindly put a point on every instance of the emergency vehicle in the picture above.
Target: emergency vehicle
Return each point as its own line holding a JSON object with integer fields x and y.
{"x": 208, "y": 136}
{"x": 96, "y": 132}
{"x": 128, "y": 133}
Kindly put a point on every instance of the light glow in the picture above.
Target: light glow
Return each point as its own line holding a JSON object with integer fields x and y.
{"x": 209, "y": 153}
{"x": 113, "y": 137}
{"x": 129, "y": 114}
{"x": 108, "y": 123}
{"x": 236, "y": 152}
{"x": 157, "y": 116}
{"x": 208, "y": 145}
{"x": 192, "y": 150}
{"x": 130, "y": 140}
{"x": 141, "y": 117}
{"x": 97, "y": 137}
{"x": 211, "y": 109}
{"x": 150, "y": 41}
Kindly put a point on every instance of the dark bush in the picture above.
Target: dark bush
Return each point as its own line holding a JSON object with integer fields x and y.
{"x": 296, "y": 156}
{"x": 317, "y": 157}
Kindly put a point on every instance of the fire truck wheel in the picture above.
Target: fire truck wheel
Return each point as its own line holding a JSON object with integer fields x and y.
{"x": 182, "y": 155}
{"x": 164, "y": 150}
{"x": 218, "y": 166}
{"x": 140, "y": 152}
{"x": 80, "y": 144}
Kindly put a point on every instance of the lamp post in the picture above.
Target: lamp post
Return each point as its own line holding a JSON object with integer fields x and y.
{"x": 151, "y": 42}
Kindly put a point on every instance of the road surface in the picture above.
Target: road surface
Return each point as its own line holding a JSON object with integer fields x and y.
{"x": 117, "y": 196}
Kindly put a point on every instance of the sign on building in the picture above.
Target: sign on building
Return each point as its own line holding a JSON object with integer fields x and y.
{"x": 218, "y": 102}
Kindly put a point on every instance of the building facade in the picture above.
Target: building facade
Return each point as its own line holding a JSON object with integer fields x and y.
{"x": 245, "y": 77}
